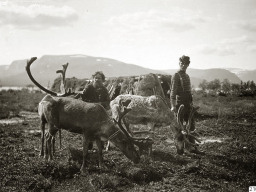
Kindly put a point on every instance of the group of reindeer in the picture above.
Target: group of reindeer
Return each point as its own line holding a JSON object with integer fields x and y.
{"x": 61, "y": 111}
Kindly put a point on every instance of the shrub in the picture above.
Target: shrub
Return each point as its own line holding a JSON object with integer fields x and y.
{"x": 14, "y": 101}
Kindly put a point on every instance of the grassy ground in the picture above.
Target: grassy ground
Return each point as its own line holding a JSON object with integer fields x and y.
{"x": 14, "y": 101}
{"x": 225, "y": 125}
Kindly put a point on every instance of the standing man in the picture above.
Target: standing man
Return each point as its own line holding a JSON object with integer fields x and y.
{"x": 181, "y": 94}
{"x": 96, "y": 92}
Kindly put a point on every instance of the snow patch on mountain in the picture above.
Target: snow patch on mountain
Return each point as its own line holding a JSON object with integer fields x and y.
{"x": 237, "y": 71}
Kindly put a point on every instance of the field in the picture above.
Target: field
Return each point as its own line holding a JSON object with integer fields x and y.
{"x": 226, "y": 126}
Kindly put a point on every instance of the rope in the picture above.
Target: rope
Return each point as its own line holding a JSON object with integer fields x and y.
{"x": 113, "y": 135}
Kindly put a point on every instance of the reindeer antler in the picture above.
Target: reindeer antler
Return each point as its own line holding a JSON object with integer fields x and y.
{"x": 191, "y": 114}
{"x": 29, "y": 62}
{"x": 63, "y": 72}
{"x": 63, "y": 82}
{"x": 123, "y": 111}
{"x": 179, "y": 116}
{"x": 186, "y": 129}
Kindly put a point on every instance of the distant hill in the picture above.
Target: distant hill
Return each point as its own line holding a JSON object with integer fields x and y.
{"x": 82, "y": 66}
{"x": 197, "y": 75}
{"x": 3, "y": 69}
{"x": 244, "y": 75}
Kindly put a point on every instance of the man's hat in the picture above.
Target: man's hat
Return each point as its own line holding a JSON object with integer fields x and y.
{"x": 185, "y": 59}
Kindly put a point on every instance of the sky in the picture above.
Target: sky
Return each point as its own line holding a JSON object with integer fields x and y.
{"x": 148, "y": 33}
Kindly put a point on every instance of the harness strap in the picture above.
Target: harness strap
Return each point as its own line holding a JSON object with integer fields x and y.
{"x": 113, "y": 135}
{"x": 181, "y": 82}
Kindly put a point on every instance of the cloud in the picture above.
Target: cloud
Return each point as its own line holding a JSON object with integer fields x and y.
{"x": 252, "y": 48}
{"x": 178, "y": 20}
{"x": 228, "y": 46}
{"x": 238, "y": 40}
{"x": 249, "y": 25}
{"x": 36, "y": 16}
{"x": 214, "y": 50}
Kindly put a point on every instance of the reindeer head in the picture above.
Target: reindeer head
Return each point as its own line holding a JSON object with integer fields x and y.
{"x": 124, "y": 141}
{"x": 182, "y": 132}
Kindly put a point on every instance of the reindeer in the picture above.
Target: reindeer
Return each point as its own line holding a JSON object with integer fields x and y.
{"x": 152, "y": 111}
{"x": 64, "y": 93}
{"x": 89, "y": 119}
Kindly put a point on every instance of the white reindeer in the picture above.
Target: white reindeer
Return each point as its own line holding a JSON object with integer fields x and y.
{"x": 153, "y": 110}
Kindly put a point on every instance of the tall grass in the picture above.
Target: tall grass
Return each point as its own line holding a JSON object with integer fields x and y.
{"x": 14, "y": 101}
{"x": 224, "y": 107}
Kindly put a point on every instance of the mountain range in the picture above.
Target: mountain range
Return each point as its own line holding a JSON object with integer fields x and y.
{"x": 82, "y": 66}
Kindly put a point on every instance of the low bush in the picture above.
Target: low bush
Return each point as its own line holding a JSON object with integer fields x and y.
{"x": 14, "y": 101}
{"x": 222, "y": 107}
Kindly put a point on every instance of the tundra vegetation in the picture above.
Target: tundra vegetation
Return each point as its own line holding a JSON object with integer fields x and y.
{"x": 226, "y": 126}
{"x": 225, "y": 87}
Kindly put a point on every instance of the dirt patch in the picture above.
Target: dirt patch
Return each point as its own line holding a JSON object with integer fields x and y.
{"x": 227, "y": 165}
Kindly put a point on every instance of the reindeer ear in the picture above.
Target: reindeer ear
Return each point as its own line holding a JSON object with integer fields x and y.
{"x": 126, "y": 103}
{"x": 125, "y": 109}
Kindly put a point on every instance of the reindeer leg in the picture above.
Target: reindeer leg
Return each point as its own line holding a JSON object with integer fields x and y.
{"x": 53, "y": 133}
{"x": 193, "y": 140}
{"x": 42, "y": 125}
{"x": 99, "y": 145}
{"x": 53, "y": 145}
{"x": 51, "y": 140}
{"x": 193, "y": 147}
{"x": 47, "y": 137}
{"x": 108, "y": 146}
{"x": 185, "y": 118}
{"x": 192, "y": 128}
{"x": 86, "y": 142}
{"x": 151, "y": 128}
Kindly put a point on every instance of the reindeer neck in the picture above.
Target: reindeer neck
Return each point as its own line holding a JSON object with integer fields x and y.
{"x": 108, "y": 128}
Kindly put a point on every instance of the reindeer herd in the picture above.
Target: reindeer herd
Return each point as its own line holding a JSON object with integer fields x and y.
{"x": 93, "y": 122}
